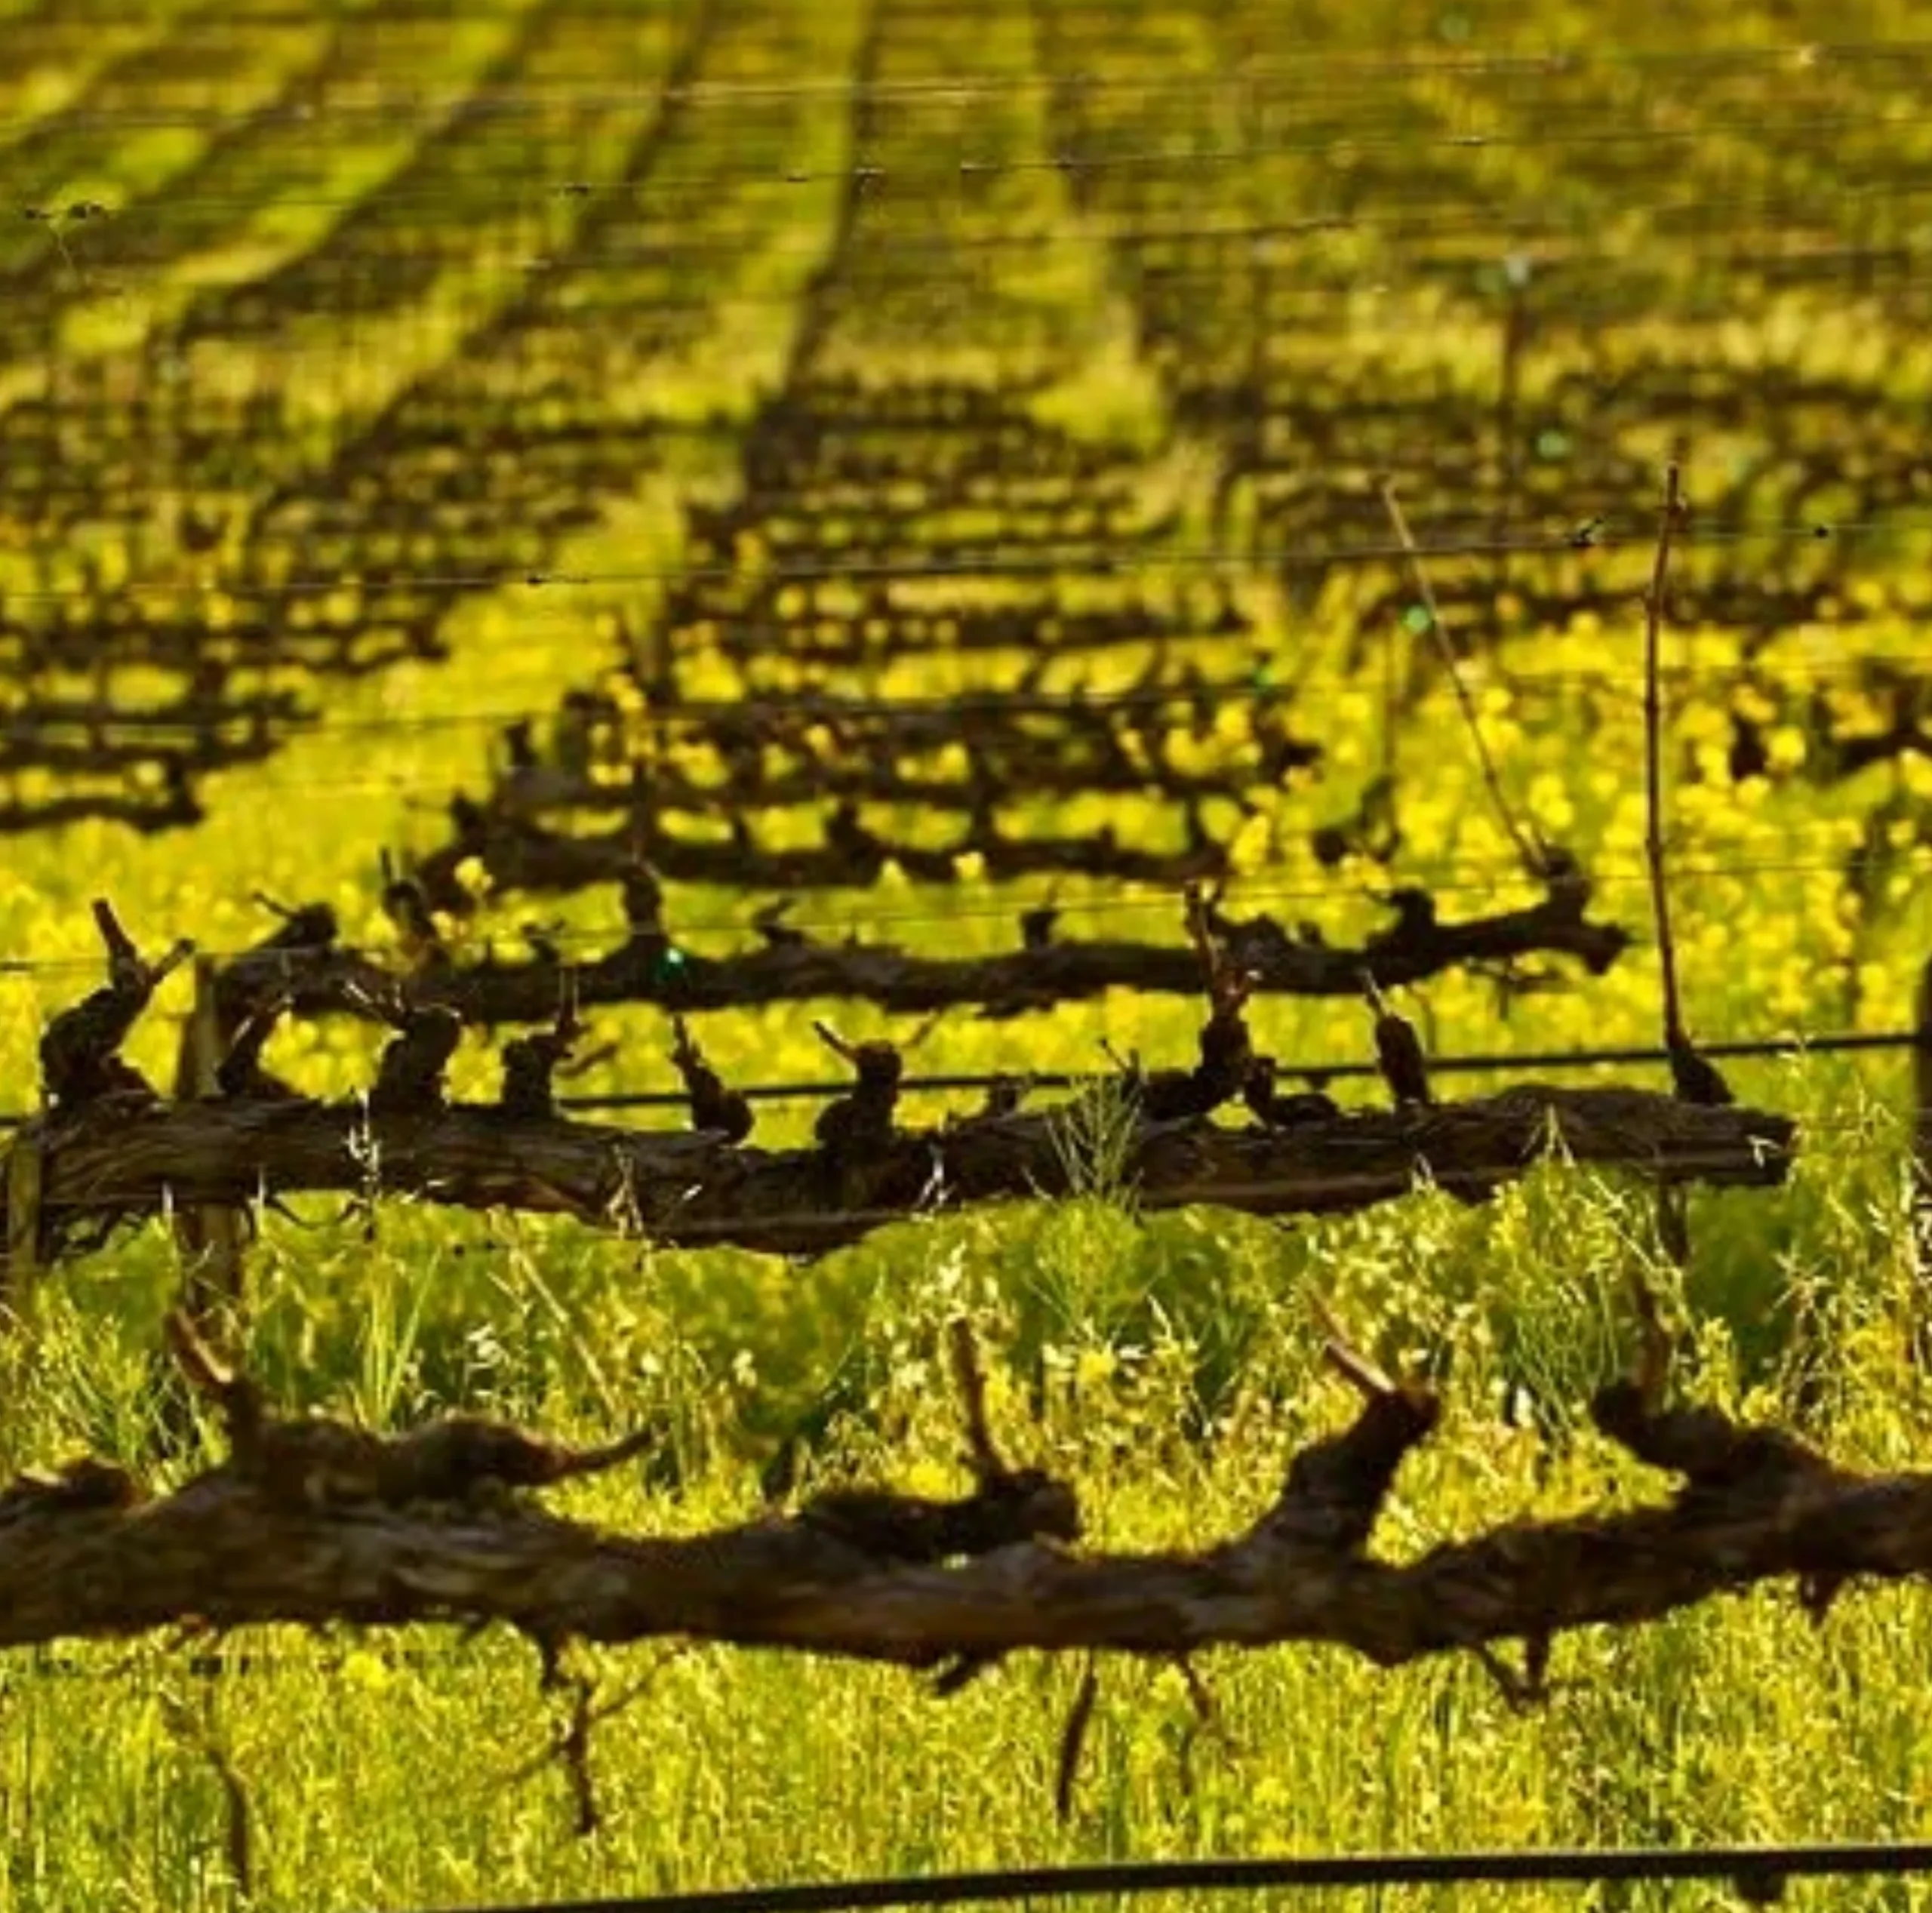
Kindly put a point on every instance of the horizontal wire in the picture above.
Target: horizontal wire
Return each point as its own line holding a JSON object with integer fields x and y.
{"x": 1094, "y": 557}
{"x": 1765, "y": 674}
{"x": 681, "y": 717}
{"x": 1892, "y": 268}
{"x": 1431, "y": 217}
{"x": 1316, "y": 693}
{"x": 1272, "y": 289}
{"x": 1790, "y": 1047}
{"x": 802, "y": 702}
{"x": 1874, "y": 272}
{"x": 1481, "y": 877}
{"x": 431, "y": 792}
{"x": 1787, "y": 1048}
{"x": 1757, "y": 1874}
{"x": 145, "y": 209}
{"x": 1323, "y": 68}
{"x": 1869, "y": 275}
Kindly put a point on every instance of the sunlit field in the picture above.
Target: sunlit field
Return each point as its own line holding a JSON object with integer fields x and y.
{"x": 375, "y": 378}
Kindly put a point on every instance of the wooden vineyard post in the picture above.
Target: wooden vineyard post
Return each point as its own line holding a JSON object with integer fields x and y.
{"x": 209, "y": 1239}
{"x": 1921, "y": 1115}
{"x": 23, "y": 1168}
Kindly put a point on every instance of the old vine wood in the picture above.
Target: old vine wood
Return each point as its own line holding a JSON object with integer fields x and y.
{"x": 110, "y": 1150}
{"x": 313, "y": 1520}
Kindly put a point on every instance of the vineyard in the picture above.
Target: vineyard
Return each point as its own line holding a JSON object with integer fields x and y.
{"x": 946, "y": 936}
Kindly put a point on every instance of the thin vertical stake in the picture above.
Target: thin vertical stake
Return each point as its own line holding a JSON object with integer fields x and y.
{"x": 1673, "y": 506}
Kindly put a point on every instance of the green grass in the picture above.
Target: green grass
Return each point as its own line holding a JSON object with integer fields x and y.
{"x": 1169, "y": 1368}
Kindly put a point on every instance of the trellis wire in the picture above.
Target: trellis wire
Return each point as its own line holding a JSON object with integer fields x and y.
{"x": 1091, "y": 557}
{"x": 1759, "y": 1873}
{"x": 155, "y": 208}
{"x": 1785, "y": 1048}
